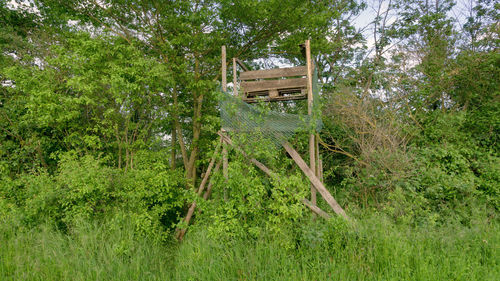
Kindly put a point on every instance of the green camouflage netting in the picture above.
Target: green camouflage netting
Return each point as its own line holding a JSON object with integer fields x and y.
{"x": 260, "y": 123}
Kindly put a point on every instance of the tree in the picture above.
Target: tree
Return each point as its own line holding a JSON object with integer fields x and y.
{"x": 185, "y": 37}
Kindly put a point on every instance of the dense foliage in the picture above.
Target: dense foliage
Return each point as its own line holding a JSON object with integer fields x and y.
{"x": 109, "y": 114}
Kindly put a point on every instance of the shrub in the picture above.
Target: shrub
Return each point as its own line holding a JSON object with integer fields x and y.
{"x": 83, "y": 188}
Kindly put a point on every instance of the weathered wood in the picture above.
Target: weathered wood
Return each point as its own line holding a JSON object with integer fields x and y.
{"x": 314, "y": 180}
{"x": 235, "y": 79}
{"x": 274, "y": 73}
{"x": 187, "y": 219}
{"x": 309, "y": 77}
{"x": 273, "y": 94}
{"x": 312, "y": 142}
{"x": 256, "y": 86}
{"x": 242, "y": 64}
{"x": 312, "y": 165}
{"x": 189, "y": 215}
{"x": 321, "y": 170}
{"x": 280, "y": 98}
{"x": 315, "y": 209}
{"x": 317, "y": 170}
{"x": 225, "y": 165}
{"x": 209, "y": 169}
{"x": 210, "y": 183}
{"x": 224, "y": 70}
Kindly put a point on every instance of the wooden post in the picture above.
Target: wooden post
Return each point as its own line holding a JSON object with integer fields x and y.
{"x": 318, "y": 159}
{"x": 314, "y": 180}
{"x": 321, "y": 170}
{"x": 312, "y": 143}
{"x": 225, "y": 165}
{"x": 224, "y": 145}
{"x": 235, "y": 80}
{"x": 224, "y": 69}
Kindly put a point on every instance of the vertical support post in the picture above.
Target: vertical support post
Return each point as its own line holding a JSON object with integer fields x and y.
{"x": 312, "y": 143}
{"x": 225, "y": 167}
{"x": 321, "y": 170}
{"x": 235, "y": 80}
{"x": 224, "y": 144}
{"x": 224, "y": 69}
{"x": 318, "y": 159}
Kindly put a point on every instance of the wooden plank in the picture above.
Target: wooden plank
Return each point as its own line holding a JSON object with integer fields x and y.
{"x": 274, "y": 73}
{"x": 280, "y": 98}
{"x": 314, "y": 180}
{"x": 316, "y": 209}
{"x": 256, "y": 86}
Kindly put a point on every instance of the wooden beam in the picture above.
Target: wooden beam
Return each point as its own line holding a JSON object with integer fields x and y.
{"x": 224, "y": 69}
{"x": 321, "y": 170}
{"x": 225, "y": 165}
{"x": 312, "y": 142}
{"x": 316, "y": 209}
{"x": 235, "y": 79}
{"x": 274, "y": 73}
{"x": 209, "y": 169}
{"x": 242, "y": 65}
{"x": 280, "y": 98}
{"x": 187, "y": 219}
{"x": 210, "y": 184}
{"x": 309, "y": 77}
{"x": 256, "y": 86}
{"x": 314, "y": 180}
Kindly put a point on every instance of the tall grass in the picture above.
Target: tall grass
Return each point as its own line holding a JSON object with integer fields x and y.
{"x": 91, "y": 251}
{"x": 375, "y": 250}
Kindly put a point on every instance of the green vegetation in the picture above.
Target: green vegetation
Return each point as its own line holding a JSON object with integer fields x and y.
{"x": 108, "y": 119}
{"x": 376, "y": 250}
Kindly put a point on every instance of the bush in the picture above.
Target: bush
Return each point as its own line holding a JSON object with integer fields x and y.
{"x": 85, "y": 189}
{"x": 252, "y": 205}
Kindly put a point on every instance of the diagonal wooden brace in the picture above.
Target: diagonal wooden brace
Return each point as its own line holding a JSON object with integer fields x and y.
{"x": 314, "y": 180}
{"x": 270, "y": 173}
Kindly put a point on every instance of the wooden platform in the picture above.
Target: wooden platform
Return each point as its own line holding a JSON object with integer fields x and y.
{"x": 279, "y": 84}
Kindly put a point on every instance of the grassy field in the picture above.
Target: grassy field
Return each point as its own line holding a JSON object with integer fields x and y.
{"x": 374, "y": 250}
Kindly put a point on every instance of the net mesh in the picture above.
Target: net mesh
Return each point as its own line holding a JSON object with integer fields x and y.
{"x": 260, "y": 124}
